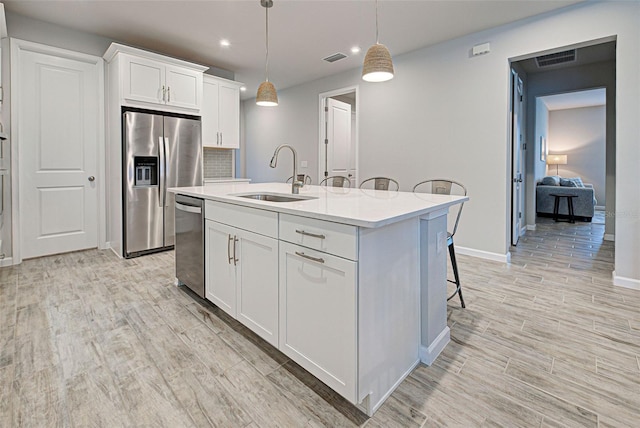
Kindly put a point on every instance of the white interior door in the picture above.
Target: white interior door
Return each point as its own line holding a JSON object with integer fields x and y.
{"x": 338, "y": 143}
{"x": 58, "y": 129}
{"x": 517, "y": 161}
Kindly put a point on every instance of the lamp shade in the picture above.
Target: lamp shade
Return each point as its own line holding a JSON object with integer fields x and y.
{"x": 556, "y": 159}
{"x": 378, "y": 66}
{"x": 267, "y": 95}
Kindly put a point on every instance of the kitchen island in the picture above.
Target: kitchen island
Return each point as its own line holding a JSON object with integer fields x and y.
{"x": 349, "y": 283}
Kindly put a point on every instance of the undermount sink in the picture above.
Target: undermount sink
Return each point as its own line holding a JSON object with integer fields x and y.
{"x": 274, "y": 197}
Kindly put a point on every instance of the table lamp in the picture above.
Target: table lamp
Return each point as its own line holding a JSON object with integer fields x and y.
{"x": 556, "y": 160}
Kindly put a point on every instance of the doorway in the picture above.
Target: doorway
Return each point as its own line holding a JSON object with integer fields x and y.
{"x": 584, "y": 66}
{"x": 338, "y": 142}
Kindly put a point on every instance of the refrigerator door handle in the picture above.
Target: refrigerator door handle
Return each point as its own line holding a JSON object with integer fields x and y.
{"x": 166, "y": 170}
{"x": 162, "y": 173}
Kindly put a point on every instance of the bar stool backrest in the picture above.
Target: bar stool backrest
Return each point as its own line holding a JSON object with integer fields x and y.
{"x": 380, "y": 183}
{"x": 336, "y": 181}
{"x": 442, "y": 186}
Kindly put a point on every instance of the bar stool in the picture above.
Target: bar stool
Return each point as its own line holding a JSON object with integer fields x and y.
{"x": 447, "y": 187}
{"x": 336, "y": 181}
{"x": 380, "y": 183}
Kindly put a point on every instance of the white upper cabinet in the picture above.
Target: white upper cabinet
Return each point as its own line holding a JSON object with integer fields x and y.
{"x": 155, "y": 81}
{"x": 221, "y": 113}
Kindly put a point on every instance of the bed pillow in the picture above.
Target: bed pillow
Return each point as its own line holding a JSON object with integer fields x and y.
{"x": 551, "y": 180}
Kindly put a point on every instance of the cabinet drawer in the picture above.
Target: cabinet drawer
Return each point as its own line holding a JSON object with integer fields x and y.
{"x": 333, "y": 238}
{"x": 251, "y": 219}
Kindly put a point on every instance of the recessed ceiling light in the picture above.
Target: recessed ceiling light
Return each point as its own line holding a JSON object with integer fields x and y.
{"x": 355, "y": 49}
{"x": 243, "y": 88}
{"x": 225, "y": 43}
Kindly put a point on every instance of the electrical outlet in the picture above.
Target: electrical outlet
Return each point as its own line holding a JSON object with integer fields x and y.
{"x": 304, "y": 164}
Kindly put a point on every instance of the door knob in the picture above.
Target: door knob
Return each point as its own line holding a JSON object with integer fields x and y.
{"x": 92, "y": 178}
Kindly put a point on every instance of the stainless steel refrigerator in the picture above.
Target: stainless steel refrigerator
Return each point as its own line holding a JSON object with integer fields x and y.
{"x": 160, "y": 151}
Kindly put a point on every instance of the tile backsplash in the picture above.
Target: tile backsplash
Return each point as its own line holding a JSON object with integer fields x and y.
{"x": 217, "y": 163}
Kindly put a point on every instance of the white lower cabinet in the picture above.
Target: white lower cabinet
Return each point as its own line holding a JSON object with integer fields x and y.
{"x": 318, "y": 315}
{"x": 220, "y": 272}
{"x": 325, "y": 294}
{"x": 241, "y": 273}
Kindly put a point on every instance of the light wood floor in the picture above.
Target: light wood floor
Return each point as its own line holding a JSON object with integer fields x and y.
{"x": 87, "y": 339}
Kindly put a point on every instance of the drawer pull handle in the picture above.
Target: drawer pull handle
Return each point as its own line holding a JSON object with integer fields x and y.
{"x": 315, "y": 259}
{"x": 313, "y": 235}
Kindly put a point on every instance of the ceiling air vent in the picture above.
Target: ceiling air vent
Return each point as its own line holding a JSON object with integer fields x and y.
{"x": 335, "y": 57}
{"x": 556, "y": 58}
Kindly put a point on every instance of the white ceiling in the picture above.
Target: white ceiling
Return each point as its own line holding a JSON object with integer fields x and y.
{"x": 302, "y": 32}
{"x": 590, "y": 98}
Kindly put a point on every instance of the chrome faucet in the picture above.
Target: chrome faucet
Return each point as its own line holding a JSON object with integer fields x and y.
{"x": 295, "y": 184}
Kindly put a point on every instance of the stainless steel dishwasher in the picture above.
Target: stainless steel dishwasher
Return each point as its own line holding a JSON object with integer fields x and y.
{"x": 189, "y": 244}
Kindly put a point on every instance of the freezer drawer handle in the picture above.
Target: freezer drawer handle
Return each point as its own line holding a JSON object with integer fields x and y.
{"x": 188, "y": 208}
{"x": 313, "y": 235}
{"x": 315, "y": 259}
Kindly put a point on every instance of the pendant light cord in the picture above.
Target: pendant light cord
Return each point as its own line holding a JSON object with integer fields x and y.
{"x": 266, "y": 63}
{"x": 377, "y": 40}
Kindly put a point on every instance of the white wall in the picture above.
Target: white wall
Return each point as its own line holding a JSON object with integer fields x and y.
{"x": 445, "y": 114}
{"x": 580, "y": 134}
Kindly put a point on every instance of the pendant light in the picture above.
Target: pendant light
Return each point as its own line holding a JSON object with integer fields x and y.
{"x": 267, "y": 95}
{"x": 378, "y": 66}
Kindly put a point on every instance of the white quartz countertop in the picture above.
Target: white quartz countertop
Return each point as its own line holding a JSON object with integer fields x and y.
{"x": 357, "y": 207}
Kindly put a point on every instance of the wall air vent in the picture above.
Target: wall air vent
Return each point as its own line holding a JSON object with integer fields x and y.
{"x": 556, "y": 58}
{"x": 335, "y": 57}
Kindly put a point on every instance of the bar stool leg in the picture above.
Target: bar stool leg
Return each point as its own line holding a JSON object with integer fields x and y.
{"x": 454, "y": 265}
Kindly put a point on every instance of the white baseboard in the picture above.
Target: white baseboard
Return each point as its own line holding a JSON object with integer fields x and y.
{"x": 523, "y": 229}
{"x": 609, "y": 237}
{"x": 531, "y": 227}
{"x": 504, "y": 258}
{"x": 599, "y": 208}
{"x": 7, "y": 261}
{"x": 621, "y": 281}
{"x": 429, "y": 354}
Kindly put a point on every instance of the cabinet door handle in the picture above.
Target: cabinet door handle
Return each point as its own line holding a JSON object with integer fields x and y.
{"x": 220, "y": 137}
{"x": 235, "y": 260}
{"x": 164, "y": 92}
{"x": 168, "y": 94}
{"x": 217, "y": 138}
{"x": 229, "y": 249}
{"x": 315, "y": 259}
{"x": 313, "y": 235}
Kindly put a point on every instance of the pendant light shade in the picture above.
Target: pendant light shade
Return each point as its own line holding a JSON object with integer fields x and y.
{"x": 378, "y": 65}
{"x": 267, "y": 95}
